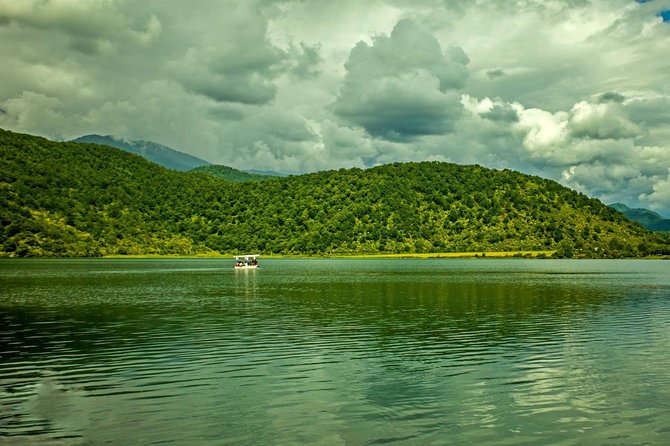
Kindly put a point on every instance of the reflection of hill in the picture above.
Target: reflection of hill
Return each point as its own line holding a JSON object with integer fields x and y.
{"x": 417, "y": 313}
{"x": 446, "y": 314}
{"x": 101, "y": 349}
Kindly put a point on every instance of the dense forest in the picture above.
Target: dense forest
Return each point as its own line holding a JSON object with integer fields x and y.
{"x": 229, "y": 173}
{"x": 76, "y": 199}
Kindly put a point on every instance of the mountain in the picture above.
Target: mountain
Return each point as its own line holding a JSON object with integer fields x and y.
{"x": 73, "y": 199}
{"x": 229, "y": 173}
{"x": 649, "y": 219}
{"x": 159, "y": 154}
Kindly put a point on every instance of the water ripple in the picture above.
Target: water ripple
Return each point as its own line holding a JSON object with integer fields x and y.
{"x": 343, "y": 353}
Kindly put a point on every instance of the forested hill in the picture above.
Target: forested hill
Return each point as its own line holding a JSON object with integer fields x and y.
{"x": 229, "y": 173}
{"x": 75, "y": 199}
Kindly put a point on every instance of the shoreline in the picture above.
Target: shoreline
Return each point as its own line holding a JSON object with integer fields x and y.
{"x": 430, "y": 255}
{"x": 535, "y": 255}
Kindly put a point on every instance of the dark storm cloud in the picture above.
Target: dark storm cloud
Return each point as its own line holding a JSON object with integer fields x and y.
{"x": 502, "y": 113}
{"x": 237, "y": 83}
{"x": 611, "y": 96}
{"x": 494, "y": 74}
{"x": 399, "y": 87}
{"x": 245, "y": 70}
{"x": 238, "y": 66}
{"x": 305, "y": 61}
{"x": 92, "y": 26}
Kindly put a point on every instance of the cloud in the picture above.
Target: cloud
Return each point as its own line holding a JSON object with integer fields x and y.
{"x": 545, "y": 133}
{"x": 246, "y": 82}
{"x": 619, "y": 171}
{"x": 629, "y": 181}
{"x": 240, "y": 63}
{"x": 585, "y": 132}
{"x": 592, "y": 147}
{"x": 601, "y": 121}
{"x": 577, "y": 91}
{"x": 30, "y": 108}
{"x": 495, "y": 73}
{"x": 92, "y": 26}
{"x": 660, "y": 197}
{"x": 398, "y": 88}
{"x": 304, "y": 60}
{"x": 652, "y": 113}
{"x": 502, "y": 113}
{"x": 611, "y": 96}
{"x": 236, "y": 64}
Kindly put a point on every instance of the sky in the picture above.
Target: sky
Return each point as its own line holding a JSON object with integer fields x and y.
{"x": 573, "y": 90}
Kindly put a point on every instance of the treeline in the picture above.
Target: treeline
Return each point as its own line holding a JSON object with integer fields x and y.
{"x": 74, "y": 199}
{"x": 229, "y": 173}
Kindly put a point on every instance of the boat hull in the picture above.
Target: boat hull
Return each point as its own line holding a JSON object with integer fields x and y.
{"x": 247, "y": 261}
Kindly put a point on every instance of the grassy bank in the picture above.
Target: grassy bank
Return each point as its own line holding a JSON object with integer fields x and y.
{"x": 453, "y": 255}
{"x": 211, "y": 255}
{"x": 431, "y": 255}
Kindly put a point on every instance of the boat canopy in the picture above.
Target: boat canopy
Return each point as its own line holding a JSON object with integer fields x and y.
{"x": 247, "y": 257}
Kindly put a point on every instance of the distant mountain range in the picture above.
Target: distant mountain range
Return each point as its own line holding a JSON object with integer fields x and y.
{"x": 174, "y": 159}
{"x": 649, "y": 219}
{"x": 157, "y": 153}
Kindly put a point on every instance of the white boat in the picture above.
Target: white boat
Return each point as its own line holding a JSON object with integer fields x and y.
{"x": 247, "y": 261}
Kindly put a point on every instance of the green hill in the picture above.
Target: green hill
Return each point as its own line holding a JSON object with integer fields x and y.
{"x": 649, "y": 219}
{"x": 75, "y": 199}
{"x": 229, "y": 173}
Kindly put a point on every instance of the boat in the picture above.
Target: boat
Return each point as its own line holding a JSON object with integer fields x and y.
{"x": 247, "y": 261}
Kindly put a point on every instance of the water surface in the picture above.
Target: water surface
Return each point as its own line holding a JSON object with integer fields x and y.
{"x": 350, "y": 352}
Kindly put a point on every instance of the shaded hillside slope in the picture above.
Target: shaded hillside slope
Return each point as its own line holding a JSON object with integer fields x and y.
{"x": 157, "y": 153}
{"x": 75, "y": 199}
{"x": 71, "y": 199}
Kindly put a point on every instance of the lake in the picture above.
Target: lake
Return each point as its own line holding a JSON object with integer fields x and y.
{"x": 335, "y": 352}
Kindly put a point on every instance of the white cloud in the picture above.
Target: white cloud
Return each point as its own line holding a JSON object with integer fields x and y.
{"x": 660, "y": 197}
{"x": 545, "y": 132}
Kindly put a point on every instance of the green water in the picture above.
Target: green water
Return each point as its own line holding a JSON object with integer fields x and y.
{"x": 335, "y": 352}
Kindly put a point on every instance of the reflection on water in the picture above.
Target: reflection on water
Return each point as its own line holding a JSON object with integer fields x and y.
{"x": 334, "y": 352}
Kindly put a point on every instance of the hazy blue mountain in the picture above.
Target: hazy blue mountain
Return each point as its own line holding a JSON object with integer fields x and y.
{"x": 649, "y": 219}
{"x": 157, "y": 153}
